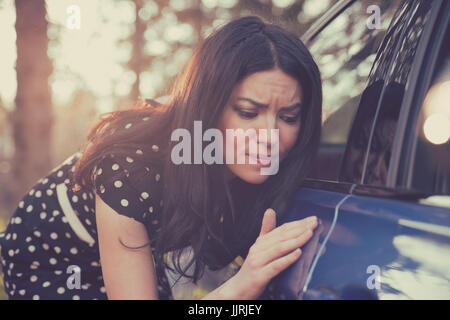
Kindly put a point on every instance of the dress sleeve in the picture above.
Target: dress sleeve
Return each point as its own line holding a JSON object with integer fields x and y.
{"x": 129, "y": 186}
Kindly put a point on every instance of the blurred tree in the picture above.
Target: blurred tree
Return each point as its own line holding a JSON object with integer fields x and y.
{"x": 32, "y": 117}
{"x": 138, "y": 60}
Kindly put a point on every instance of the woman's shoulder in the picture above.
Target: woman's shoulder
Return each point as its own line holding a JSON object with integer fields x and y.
{"x": 130, "y": 184}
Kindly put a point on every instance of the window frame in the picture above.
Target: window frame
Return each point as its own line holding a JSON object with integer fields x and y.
{"x": 401, "y": 167}
{"x": 307, "y": 38}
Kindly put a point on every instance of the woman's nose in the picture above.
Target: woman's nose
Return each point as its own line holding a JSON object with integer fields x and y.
{"x": 266, "y": 130}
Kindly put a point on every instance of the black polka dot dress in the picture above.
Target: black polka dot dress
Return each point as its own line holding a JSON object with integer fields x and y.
{"x": 50, "y": 247}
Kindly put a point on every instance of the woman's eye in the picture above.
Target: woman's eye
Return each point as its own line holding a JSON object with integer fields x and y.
{"x": 245, "y": 114}
{"x": 290, "y": 120}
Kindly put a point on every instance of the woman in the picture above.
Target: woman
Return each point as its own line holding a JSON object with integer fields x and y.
{"x": 156, "y": 224}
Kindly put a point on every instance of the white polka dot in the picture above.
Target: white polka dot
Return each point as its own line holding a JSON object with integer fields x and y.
{"x": 45, "y": 246}
{"x": 57, "y": 249}
{"x": 84, "y": 196}
{"x": 37, "y": 233}
{"x": 30, "y": 208}
{"x": 157, "y": 177}
{"x": 16, "y": 251}
{"x": 88, "y": 222}
{"x": 155, "y": 148}
{"x": 74, "y": 199}
{"x": 45, "y": 181}
{"x": 22, "y": 292}
{"x": 144, "y": 195}
{"x": 14, "y": 236}
{"x": 150, "y": 209}
{"x": 38, "y": 194}
{"x": 66, "y": 181}
{"x": 53, "y": 186}
{"x": 46, "y": 284}
{"x": 102, "y": 289}
{"x": 118, "y": 184}
{"x": 75, "y": 297}
{"x": 74, "y": 250}
{"x": 33, "y": 278}
{"x": 36, "y": 297}
{"x": 49, "y": 192}
{"x": 43, "y": 215}
{"x": 53, "y": 261}
{"x": 64, "y": 219}
{"x": 99, "y": 171}
{"x": 145, "y": 118}
{"x": 124, "y": 202}
{"x": 43, "y": 205}
{"x": 68, "y": 235}
{"x": 54, "y": 236}
{"x": 60, "y": 290}
{"x": 55, "y": 213}
{"x": 115, "y": 167}
{"x": 34, "y": 265}
{"x": 21, "y": 204}
{"x": 102, "y": 189}
{"x": 32, "y": 248}
{"x": 139, "y": 151}
{"x": 31, "y": 192}
{"x": 51, "y": 219}
{"x": 18, "y": 220}
{"x": 86, "y": 208}
{"x": 95, "y": 264}
{"x": 128, "y": 126}
{"x": 60, "y": 174}
{"x": 58, "y": 272}
{"x": 28, "y": 239}
{"x": 129, "y": 159}
{"x": 8, "y": 236}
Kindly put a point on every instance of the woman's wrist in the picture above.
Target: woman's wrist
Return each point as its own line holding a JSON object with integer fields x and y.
{"x": 229, "y": 290}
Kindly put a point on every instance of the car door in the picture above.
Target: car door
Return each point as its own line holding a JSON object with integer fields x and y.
{"x": 379, "y": 238}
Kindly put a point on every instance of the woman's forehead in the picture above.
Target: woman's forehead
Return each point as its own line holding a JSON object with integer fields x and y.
{"x": 269, "y": 87}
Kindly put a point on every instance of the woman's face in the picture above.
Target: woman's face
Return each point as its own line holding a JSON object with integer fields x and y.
{"x": 264, "y": 100}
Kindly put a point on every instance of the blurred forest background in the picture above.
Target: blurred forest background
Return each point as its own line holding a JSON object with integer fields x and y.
{"x": 64, "y": 62}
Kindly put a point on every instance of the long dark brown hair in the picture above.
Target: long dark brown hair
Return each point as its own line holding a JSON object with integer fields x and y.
{"x": 197, "y": 197}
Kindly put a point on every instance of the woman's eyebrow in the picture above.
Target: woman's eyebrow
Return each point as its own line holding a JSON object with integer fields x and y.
{"x": 265, "y": 106}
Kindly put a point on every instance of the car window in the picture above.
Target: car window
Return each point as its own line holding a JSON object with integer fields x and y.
{"x": 345, "y": 51}
{"x": 376, "y": 162}
{"x": 431, "y": 169}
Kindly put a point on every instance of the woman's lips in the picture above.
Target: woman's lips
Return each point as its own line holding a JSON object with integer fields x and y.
{"x": 263, "y": 161}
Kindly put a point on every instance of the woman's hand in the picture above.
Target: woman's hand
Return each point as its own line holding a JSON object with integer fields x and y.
{"x": 274, "y": 250}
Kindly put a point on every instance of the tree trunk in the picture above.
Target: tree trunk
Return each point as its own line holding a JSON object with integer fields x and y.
{"x": 32, "y": 117}
{"x": 137, "y": 54}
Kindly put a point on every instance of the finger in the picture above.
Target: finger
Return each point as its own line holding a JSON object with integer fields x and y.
{"x": 289, "y": 230}
{"x": 269, "y": 221}
{"x": 282, "y": 248}
{"x": 277, "y": 266}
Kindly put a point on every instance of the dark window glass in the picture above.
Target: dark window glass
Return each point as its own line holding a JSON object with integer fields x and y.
{"x": 376, "y": 163}
{"x": 345, "y": 52}
{"x": 431, "y": 169}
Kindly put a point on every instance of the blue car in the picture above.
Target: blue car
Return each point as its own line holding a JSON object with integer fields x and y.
{"x": 381, "y": 185}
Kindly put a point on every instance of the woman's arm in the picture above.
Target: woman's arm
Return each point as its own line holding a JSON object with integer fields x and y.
{"x": 127, "y": 273}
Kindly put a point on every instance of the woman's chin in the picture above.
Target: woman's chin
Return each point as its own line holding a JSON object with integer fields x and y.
{"x": 248, "y": 173}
